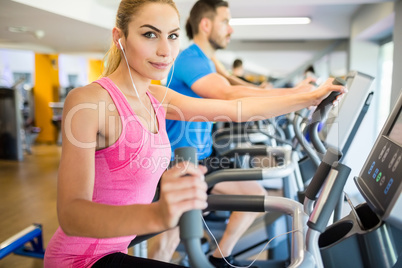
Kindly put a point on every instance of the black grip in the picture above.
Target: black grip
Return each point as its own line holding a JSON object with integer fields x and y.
{"x": 330, "y": 201}
{"x": 190, "y": 222}
{"x": 323, "y": 169}
{"x": 254, "y": 203}
{"x": 326, "y": 104}
{"x": 320, "y": 114}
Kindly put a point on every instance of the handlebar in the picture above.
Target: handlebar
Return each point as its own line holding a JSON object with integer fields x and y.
{"x": 329, "y": 197}
{"x": 191, "y": 229}
{"x": 321, "y": 113}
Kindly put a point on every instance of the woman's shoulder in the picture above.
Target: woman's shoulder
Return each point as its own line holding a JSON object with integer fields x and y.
{"x": 91, "y": 93}
{"x": 158, "y": 91}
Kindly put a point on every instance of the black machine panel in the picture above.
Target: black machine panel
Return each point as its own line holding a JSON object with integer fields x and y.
{"x": 380, "y": 180}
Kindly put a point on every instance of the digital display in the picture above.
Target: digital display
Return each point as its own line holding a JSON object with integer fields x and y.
{"x": 396, "y": 132}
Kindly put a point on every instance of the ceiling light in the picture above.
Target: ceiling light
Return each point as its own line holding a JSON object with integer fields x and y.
{"x": 39, "y": 34}
{"x": 270, "y": 21}
{"x": 20, "y": 29}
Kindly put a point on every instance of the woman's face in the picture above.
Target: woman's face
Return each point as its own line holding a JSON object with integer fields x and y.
{"x": 153, "y": 40}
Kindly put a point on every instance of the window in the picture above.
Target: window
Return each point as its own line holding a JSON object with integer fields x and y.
{"x": 385, "y": 83}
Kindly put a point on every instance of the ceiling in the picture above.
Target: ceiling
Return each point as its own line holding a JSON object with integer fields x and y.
{"x": 83, "y": 27}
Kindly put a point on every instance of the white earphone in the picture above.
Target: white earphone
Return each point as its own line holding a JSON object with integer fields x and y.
{"x": 120, "y": 44}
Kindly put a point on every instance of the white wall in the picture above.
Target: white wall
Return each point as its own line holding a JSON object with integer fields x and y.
{"x": 11, "y": 61}
{"x": 23, "y": 61}
{"x": 368, "y": 24}
{"x": 397, "y": 71}
{"x": 73, "y": 65}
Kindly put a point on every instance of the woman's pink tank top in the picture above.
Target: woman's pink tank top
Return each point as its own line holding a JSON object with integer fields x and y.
{"x": 126, "y": 172}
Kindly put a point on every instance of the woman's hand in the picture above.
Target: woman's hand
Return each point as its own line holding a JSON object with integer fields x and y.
{"x": 325, "y": 89}
{"x": 183, "y": 188}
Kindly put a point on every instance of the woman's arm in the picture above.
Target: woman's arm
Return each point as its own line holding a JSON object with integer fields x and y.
{"x": 78, "y": 215}
{"x": 216, "y": 86}
{"x": 253, "y": 108}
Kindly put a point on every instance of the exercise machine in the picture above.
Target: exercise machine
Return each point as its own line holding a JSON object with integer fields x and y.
{"x": 371, "y": 235}
{"x": 191, "y": 229}
{"x": 28, "y": 242}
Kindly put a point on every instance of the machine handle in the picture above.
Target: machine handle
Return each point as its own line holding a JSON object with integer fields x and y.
{"x": 321, "y": 174}
{"x": 326, "y": 104}
{"x": 312, "y": 154}
{"x": 320, "y": 114}
{"x": 190, "y": 223}
{"x": 329, "y": 197}
{"x": 191, "y": 229}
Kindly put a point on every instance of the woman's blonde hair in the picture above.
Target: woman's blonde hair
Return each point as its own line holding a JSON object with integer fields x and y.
{"x": 127, "y": 9}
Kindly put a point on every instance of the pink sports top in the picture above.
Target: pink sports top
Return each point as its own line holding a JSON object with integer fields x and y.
{"x": 126, "y": 172}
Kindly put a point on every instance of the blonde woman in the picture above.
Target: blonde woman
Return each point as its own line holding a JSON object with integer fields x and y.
{"x": 115, "y": 147}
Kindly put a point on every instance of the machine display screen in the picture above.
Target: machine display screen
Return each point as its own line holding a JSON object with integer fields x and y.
{"x": 395, "y": 133}
{"x": 380, "y": 180}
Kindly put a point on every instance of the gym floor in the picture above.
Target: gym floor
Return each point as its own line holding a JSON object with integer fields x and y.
{"x": 28, "y": 195}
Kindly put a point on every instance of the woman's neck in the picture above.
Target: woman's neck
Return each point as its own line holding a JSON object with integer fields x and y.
{"x": 121, "y": 78}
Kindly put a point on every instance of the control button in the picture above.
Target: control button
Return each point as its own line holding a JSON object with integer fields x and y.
{"x": 388, "y": 186}
{"x": 371, "y": 168}
{"x": 392, "y": 160}
{"x": 378, "y": 177}
{"x": 382, "y": 180}
{"x": 375, "y": 173}
{"x": 385, "y": 154}
{"x": 396, "y": 163}
{"x": 382, "y": 151}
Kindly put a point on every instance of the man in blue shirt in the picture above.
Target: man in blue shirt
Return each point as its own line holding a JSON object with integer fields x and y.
{"x": 194, "y": 74}
{"x": 191, "y": 65}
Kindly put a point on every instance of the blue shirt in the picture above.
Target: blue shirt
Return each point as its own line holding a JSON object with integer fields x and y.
{"x": 191, "y": 65}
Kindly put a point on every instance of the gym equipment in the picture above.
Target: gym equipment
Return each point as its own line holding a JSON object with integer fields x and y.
{"x": 341, "y": 123}
{"x": 301, "y": 256}
{"x": 267, "y": 226}
{"x": 191, "y": 229}
{"x": 10, "y": 125}
{"x": 371, "y": 235}
{"x": 264, "y": 227}
{"x": 17, "y": 243}
{"x": 345, "y": 119}
{"x": 57, "y": 112}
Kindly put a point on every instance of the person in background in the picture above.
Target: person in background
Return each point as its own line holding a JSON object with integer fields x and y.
{"x": 195, "y": 75}
{"x": 238, "y": 69}
{"x": 236, "y": 76}
{"x": 309, "y": 72}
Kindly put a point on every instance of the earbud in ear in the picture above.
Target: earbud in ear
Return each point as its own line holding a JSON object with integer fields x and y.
{"x": 120, "y": 44}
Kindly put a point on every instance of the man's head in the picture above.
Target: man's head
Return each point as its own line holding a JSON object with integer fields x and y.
{"x": 211, "y": 17}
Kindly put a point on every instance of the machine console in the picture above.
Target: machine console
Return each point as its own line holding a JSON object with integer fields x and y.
{"x": 380, "y": 180}
{"x": 344, "y": 120}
